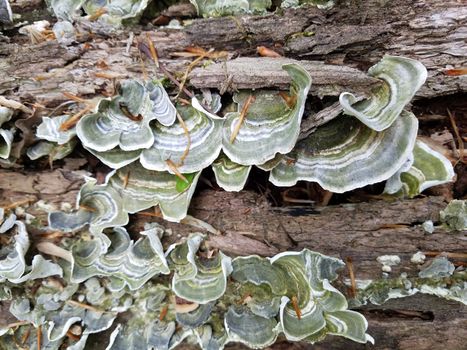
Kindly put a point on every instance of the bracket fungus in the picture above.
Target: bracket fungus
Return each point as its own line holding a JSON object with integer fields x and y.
{"x": 402, "y": 78}
{"x": 198, "y": 280}
{"x": 111, "y": 12}
{"x": 252, "y": 330}
{"x": 50, "y": 130}
{"x": 216, "y": 8}
{"x": 196, "y": 301}
{"x": 271, "y": 121}
{"x": 6, "y": 135}
{"x": 455, "y": 215}
{"x": 55, "y": 142}
{"x": 123, "y": 121}
{"x": 6, "y": 16}
{"x": 345, "y": 154}
{"x": 310, "y": 306}
{"x": 157, "y": 151}
{"x": 13, "y": 264}
{"x": 125, "y": 262}
{"x": 321, "y": 4}
{"x": 425, "y": 168}
{"x": 193, "y": 145}
{"x": 229, "y": 175}
{"x": 98, "y": 206}
{"x": 140, "y": 188}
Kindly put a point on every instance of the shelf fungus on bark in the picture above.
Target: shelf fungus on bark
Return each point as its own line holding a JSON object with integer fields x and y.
{"x": 402, "y": 78}
{"x": 111, "y": 12}
{"x": 6, "y": 135}
{"x": 345, "y": 154}
{"x": 321, "y": 4}
{"x": 270, "y": 121}
{"x": 192, "y": 145}
{"x": 52, "y": 310}
{"x": 197, "y": 317}
{"x": 140, "y": 188}
{"x": 116, "y": 158}
{"x": 13, "y": 266}
{"x": 65, "y": 9}
{"x": 54, "y": 142}
{"x": 50, "y": 130}
{"x": 229, "y": 175}
{"x": 424, "y": 169}
{"x": 146, "y": 329}
{"x": 51, "y": 149}
{"x": 252, "y": 330}
{"x": 6, "y": 15}
{"x": 217, "y": 8}
{"x": 123, "y": 261}
{"x": 98, "y": 206}
{"x": 313, "y": 307}
{"x": 120, "y": 130}
{"x": 308, "y": 306}
{"x": 209, "y": 339}
{"x": 198, "y": 279}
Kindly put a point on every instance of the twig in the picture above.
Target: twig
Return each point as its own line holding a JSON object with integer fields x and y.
{"x": 14, "y": 105}
{"x": 17, "y": 324}
{"x": 54, "y": 250}
{"x": 187, "y": 134}
{"x": 147, "y": 51}
{"x": 189, "y": 68}
{"x": 126, "y": 178}
{"x": 25, "y": 336}
{"x": 39, "y": 336}
{"x": 448, "y": 255}
{"x": 458, "y": 136}
{"x": 163, "y": 313}
{"x": 17, "y": 204}
{"x": 175, "y": 170}
{"x": 243, "y": 113}
{"x": 353, "y": 282}
{"x": 298, "y": 312}
{"x": 82, "y": 305}
{"x": 152, "y": 50}
{"x": 74, "y": 119}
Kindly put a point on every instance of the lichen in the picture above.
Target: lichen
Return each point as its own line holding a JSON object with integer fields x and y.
{"x": 454, "y": 216}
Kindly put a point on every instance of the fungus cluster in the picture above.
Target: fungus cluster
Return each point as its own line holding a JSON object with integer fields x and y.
{"x": 185, "y": 292}
{"x": 157, "y": 150}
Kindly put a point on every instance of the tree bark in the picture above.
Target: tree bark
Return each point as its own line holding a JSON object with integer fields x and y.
{"x": 350, "y": 37}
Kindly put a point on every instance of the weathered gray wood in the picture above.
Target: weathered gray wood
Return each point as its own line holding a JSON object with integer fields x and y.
{"x": 354, "y": 34}
{"x": 265, "y": 72}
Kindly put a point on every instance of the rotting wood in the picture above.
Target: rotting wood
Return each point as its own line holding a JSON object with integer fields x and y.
{"x": 353, "y": 35}
{"x": 251, "y": 225}
{"x": 348, "y": 39}
{"x": 362, "y": 231}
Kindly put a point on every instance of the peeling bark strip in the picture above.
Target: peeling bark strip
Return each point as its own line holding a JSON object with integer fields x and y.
{"x": 255, "y": 73}
{"x": 353, "y": 35}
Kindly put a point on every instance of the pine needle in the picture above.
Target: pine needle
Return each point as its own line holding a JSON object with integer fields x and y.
{"x": 243, "y": 113}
